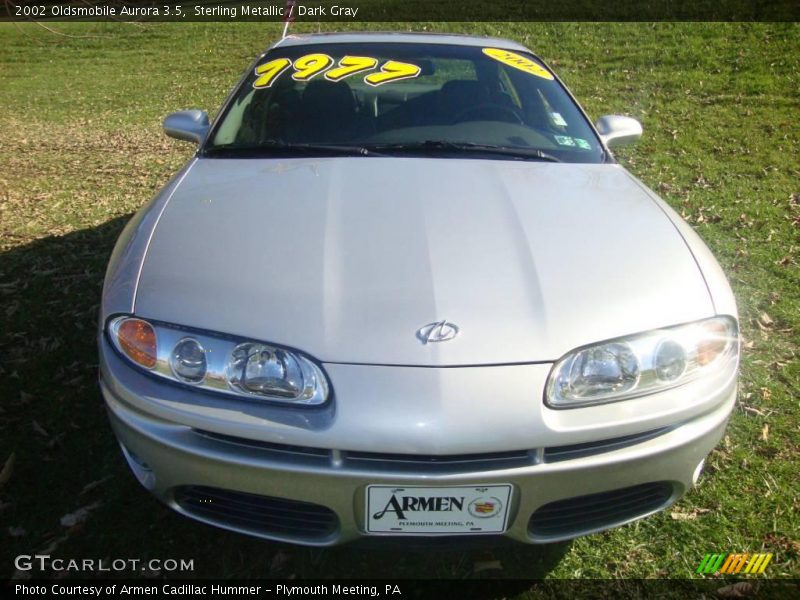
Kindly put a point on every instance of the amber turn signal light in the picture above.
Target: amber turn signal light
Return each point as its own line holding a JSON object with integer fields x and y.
{"x": 716, "y": 341}
{"x": 137, "y": 339}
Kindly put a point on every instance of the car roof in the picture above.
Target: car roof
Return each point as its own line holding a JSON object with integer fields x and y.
{"x": 397, "y": 37}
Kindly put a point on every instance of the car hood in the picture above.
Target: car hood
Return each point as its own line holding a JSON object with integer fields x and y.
{"x": 346, "y": 258}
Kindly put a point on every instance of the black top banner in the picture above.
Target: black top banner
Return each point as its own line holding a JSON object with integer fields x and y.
{"x": 401, "y": 10}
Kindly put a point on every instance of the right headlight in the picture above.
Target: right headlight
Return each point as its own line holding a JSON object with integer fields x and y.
{"x": 644, "y": 363}
{"x": 218, "y": 362}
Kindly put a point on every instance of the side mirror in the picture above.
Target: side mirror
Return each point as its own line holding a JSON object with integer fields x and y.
{"x": 187, "y": 125}
{"x": 616, "y": 130}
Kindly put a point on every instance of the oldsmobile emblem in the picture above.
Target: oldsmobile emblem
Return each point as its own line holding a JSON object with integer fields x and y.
{"x": 439, "y": 331}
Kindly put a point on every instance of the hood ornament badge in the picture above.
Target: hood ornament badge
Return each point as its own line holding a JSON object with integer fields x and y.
{"x": 439, "y": 331}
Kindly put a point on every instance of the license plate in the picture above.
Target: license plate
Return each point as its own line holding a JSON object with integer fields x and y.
{"x": 437, "y": 510}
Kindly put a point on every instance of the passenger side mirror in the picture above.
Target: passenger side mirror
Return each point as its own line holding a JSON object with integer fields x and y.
{"x": 188, "y": 125}
{"x": 616, "y": 130}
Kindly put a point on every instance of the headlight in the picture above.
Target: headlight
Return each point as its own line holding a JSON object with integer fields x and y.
{"x": 642, "y": 364}
{"x": 219, "y": 363}
{"x": 188, "y": 361}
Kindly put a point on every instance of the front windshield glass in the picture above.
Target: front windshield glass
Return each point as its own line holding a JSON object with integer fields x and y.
{"x": 395, "y": 98}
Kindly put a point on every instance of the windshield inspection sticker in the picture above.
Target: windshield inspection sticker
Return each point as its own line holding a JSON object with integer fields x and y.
{"x": 518, "y": 62}
{"x": 558, "y": 119}
{"x": 583, "y": 143}
{"x": 310, "y": 65}
{"x": 564, "y": 140}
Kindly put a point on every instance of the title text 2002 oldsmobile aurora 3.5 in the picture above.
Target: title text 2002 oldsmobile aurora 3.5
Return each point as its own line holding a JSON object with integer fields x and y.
{"x": 404, "y": 289}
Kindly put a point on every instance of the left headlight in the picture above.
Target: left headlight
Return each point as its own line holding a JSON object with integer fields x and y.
{"x": 643, "y": 364}
{"x": 219, "y": 363}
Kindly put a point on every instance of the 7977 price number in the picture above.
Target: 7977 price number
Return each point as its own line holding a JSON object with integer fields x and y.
{"x": 310, "y": 65}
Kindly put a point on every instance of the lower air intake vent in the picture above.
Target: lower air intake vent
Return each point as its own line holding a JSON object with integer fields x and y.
{"x": 257, "y": 514}
{"x": 576, "y": 516}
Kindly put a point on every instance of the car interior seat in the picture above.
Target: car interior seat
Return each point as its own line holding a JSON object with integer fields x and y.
{"x": 329, "y": 112}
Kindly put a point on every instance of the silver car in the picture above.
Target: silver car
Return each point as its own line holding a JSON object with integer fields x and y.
{"x": 404, "y": 289}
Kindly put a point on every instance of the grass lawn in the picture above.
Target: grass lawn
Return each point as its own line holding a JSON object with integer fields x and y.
{"x": 81, "y": 149}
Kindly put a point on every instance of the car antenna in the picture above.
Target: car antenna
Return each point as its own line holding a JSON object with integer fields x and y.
{"x": 288, "y": 16}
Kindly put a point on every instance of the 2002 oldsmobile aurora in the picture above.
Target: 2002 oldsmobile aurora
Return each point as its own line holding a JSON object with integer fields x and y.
{"x": 404, "y": 289}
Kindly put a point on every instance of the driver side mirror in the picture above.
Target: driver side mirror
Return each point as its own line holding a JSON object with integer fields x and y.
{"x": 616, "y": 130}
{"x": 187, "y": 125}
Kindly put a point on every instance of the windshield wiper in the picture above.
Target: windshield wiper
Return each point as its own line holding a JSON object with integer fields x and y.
{"x": 444, "y": 146}
{"x": 273, "y": 147}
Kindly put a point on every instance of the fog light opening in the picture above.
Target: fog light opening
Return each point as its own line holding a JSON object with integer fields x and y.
{"x": 698, "y": 469}
{"x": 144, "y": 474}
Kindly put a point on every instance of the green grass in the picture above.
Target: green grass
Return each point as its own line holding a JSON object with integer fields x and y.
{"x": 81, "y": 149}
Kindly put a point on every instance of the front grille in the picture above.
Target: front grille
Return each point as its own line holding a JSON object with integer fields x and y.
{"x": 281, "y": 452}
{"x": 445, "y": 463}
{"x": 559, "y": 453}
{"x": 579, "y": 515}
{"x": 257, "y": 514}
{"x": 427, "y": 463}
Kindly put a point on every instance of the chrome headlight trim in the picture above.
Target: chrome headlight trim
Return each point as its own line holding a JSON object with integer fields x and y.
{"x": 218, "y": 349}
{"x": 696, "y": 338}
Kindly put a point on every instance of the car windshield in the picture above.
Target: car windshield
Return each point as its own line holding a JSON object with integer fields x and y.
{"x": 382, "y": 99}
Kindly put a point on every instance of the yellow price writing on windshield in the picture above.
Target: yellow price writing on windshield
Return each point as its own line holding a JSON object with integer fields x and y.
{"x": 350, "y": 65}
{"x": 518, "y": 61}
{"x": 310, "y": 65}
{"x": 393, "y": 71}
{"x": 268, "y": 72}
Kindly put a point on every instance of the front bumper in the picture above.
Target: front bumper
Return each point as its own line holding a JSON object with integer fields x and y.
{"x": 559, "y": 490}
